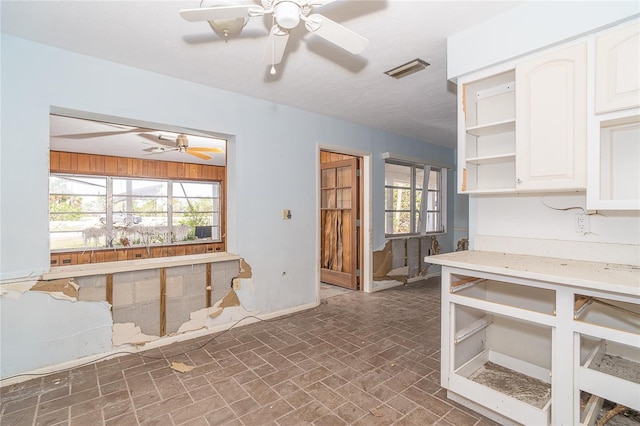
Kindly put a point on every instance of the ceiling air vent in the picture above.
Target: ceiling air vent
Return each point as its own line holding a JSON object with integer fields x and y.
{"x": 407, "y": 69}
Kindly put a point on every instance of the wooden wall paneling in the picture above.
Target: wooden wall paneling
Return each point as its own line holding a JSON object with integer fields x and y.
{"x": 97, "y": 163}
{"x": 122, "y": 254}
{"x": 221, "y": 173}
{"x": 99, "y": 256}
{"x": 181, "y": 250}
{"x": 65, "y": 161}
{"x": 110, "y": 165}
{"x": 109, "y": 289}
{"x": 123, "y": 166}
{"x": 137, "y": 254}
{"x": 84, "y": 163}
{"x": 68, "y": 259}
{"x": 54, "y": 161}
{"x": 137, "y": 167}
{"x": 111, "y": 256}
{"x": 84, "y": 257}
{"x": 163, "y": 301}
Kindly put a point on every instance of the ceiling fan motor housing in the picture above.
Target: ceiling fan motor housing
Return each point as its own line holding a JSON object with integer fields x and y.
{"x": 287, "y": 13}
{"x": 182, "y": 142}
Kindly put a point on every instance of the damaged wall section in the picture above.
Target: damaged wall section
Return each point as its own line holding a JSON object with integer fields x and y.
{"x": 137, "y": 294}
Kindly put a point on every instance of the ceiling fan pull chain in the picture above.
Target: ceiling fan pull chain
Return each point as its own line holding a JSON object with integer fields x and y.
{"x": 273, "y": 50}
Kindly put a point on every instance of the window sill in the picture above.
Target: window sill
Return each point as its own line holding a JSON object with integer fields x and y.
{"x": 136, "y": 265}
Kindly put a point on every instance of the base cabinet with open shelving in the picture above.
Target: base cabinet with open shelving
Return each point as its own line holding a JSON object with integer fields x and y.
{"x": 524, "y": 338}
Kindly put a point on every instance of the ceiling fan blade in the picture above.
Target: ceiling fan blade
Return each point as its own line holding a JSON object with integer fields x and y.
{"x": 158, "y": 140}
{"x": 159, "y": 150}
{"x": 319, "y": 3}
{"x": 221, "y": 12}
{"x": 98, "y": 134}
{"x": 206, "y": 149}
{"x": 335, "y": 33}
{"x": 276, "y": 45}
{"x": 197, "y": 154}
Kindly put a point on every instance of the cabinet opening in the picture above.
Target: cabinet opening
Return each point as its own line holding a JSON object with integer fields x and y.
{"x": 533, "y": 299}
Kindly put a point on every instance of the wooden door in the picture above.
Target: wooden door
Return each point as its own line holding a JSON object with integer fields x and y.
{"x": 339, "y": 228}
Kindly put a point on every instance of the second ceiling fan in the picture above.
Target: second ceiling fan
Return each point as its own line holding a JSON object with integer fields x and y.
{"x": 287, "y": 14}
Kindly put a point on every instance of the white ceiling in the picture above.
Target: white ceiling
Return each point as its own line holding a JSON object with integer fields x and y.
{"x": 314, "y": 76}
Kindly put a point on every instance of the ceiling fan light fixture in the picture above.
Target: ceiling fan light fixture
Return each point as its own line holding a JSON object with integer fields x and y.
{"x": 225, "y": 27}
{"x": 228, "y": 27}
{"x": 407, "y": 69}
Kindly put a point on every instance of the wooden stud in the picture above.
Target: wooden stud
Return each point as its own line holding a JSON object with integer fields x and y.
{"x": 109, "y": 291}
{"x": 163, "y": 301}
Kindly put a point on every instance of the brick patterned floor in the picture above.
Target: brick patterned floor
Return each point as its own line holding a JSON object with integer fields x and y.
{"x": 357, "y": 359}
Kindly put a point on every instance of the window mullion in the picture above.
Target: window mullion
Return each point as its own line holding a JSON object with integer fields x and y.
{"x": 109, "y": 212}
{"x": 170, "y": 210}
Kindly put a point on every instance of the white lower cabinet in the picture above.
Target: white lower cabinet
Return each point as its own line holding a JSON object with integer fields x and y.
{"x": 524, "y": 338}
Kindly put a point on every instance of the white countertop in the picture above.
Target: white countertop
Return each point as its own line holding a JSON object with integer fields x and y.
{"x": 613, "y": 277}
{"x": 135, "y": 265}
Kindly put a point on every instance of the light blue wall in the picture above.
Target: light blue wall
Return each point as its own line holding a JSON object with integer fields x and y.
{"x": 273, "y": 165}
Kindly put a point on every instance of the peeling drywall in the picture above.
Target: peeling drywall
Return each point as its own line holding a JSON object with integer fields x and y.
{"x": 226, "y": 310}
{"x": 64, "y": 288}
{"x": 244, "y": 286}
{"x": 129, "y": 333}
{"x": 245, "y": 270}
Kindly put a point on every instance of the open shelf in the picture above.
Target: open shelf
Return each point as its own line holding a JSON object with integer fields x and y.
{"x": 493, "y": 159}
{"x": 517, "y": 389}
{"x": 611, "y": 370}
{"x": 492, "y": 128}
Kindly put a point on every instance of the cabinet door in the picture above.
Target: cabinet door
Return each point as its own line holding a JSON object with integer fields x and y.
{"x": 551, "y": 121}
{"x": 617, "y": 69}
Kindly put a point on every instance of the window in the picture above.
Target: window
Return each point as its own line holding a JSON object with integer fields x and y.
{"x": 102, "y": 211}
{"x": 408, "y": 209}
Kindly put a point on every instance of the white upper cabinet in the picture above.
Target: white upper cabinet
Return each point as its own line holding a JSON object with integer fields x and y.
{"x": 524, "y": 129}
{"x": 487, "y": 127}
{"x": 614, "y": 123}
{"x": 618, "y": 69}
{"x": 551, "y": 121}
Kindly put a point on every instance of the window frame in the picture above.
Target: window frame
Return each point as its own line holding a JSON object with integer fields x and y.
{"x": 109, "y": 210}
{"x": 414, "y": 210}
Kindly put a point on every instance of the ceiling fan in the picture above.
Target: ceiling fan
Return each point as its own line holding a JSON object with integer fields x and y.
{"x": 181, "y": 144}
{"x": 287, "y": 14}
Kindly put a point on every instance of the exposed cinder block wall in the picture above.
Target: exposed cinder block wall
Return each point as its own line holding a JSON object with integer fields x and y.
{"x": 136, "y": 295}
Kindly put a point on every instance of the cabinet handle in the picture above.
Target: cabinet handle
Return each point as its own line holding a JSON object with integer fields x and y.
{"x": 518, "y": 180}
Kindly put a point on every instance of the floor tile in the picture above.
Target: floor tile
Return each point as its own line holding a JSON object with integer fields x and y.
{"x": 357, "y": 359}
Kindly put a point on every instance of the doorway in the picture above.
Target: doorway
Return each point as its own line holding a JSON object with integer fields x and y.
{"x": 341, "y": 238}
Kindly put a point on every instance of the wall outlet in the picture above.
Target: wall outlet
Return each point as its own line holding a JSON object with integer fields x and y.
{"x": 236, "y": 284}
{"x": 582, "y": 223}
{"x": 286, "y": 214}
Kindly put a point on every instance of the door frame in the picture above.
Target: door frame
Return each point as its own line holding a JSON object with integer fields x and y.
{"x": 366, "y": 229}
